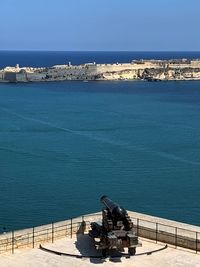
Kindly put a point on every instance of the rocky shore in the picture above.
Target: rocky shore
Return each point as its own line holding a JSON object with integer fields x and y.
{"x": 150, "y": 70}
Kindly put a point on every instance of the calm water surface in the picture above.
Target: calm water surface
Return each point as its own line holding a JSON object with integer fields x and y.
{"x": 50, "y": 58}
{"x": 63, "y": 145}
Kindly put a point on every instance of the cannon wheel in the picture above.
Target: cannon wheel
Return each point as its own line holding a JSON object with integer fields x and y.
{"x": 132, "y": 251}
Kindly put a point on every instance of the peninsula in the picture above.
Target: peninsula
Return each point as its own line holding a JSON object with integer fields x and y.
{"x": 151, "y": 70}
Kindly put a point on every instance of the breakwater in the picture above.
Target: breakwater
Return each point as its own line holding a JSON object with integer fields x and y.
{"x": 158, "y": 229}
{"x": 151, "y": 70}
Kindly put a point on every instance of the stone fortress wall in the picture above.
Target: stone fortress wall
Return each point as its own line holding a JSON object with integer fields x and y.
{"x": 182, "y": 69}
{"x": 176, "y": 234}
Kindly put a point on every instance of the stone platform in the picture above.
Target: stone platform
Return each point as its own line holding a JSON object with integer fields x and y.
{"x": 83, "y": 245}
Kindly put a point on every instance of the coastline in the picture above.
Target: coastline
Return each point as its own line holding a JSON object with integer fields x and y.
{"x": 148, "y": 70}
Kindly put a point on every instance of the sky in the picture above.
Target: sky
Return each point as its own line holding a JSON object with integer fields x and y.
{"x": 100, "y": 25}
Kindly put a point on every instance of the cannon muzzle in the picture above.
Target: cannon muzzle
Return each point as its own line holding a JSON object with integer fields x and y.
{"x": 114, "y": 208}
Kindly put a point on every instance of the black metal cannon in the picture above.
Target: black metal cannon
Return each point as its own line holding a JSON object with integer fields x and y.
{"x": 116, "y": 231}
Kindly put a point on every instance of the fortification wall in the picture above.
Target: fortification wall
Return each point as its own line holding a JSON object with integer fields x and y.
{"x": 101, "y": 68}
{"x": 143, "y": 69}
{"x": 158, "y": 229}
{"x": 195, "y": 63}
{"x": 1, "y": 75}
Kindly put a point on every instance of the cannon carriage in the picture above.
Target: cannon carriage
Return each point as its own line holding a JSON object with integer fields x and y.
{"x": 116, "y": 231}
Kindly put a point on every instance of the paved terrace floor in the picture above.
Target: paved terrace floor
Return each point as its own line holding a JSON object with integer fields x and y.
{"x": 84, "y": 245}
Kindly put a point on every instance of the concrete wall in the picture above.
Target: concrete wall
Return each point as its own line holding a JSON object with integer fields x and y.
{"x": 167, "y": 231}
{"x": 33, "y": 237}
{"x": 150, "y": 227}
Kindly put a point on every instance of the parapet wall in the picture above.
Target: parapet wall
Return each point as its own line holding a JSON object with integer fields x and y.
{"x": 150, "y": 227}
{"x": 167, "y": 231}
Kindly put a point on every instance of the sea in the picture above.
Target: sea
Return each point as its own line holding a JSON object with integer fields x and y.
{"x": 65, "y": 144}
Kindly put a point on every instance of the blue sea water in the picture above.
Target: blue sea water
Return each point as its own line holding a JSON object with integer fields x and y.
{"x": 63, "y": 145}
{"x": 50, "y": 58}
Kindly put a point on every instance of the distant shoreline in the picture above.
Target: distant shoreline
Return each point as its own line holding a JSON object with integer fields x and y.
{"x": 149, "y": 70}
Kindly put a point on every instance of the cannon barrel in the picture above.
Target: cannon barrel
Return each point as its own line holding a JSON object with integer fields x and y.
{"x": 113, "y": 207}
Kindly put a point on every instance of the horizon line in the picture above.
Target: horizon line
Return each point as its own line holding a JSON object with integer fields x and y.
{"x": 37, "y": 50}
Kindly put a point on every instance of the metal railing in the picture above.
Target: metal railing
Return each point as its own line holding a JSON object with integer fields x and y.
{"x": 172, "y": 235}
{"x": 33, "y": 237}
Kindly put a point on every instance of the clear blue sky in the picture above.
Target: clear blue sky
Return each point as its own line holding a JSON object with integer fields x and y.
{"x": 134, "y": 25}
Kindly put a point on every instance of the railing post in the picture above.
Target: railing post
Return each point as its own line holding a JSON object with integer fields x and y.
{"x": 175, "y": 237}
{"x": 71, "y": 227}
{"x": 33, "y": 237}
{"x": 196, "y": 242}
{"x": 13, "y": 242}
{"x": 156, "y": 232}
{"x": 52, "y": 232}
{"x": 138, "y": 226}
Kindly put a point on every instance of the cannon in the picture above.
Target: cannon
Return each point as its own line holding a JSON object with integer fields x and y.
{"x": 116, "y": 232}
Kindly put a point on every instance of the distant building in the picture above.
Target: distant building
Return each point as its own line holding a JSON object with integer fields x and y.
{"x": 14, "y": 77}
